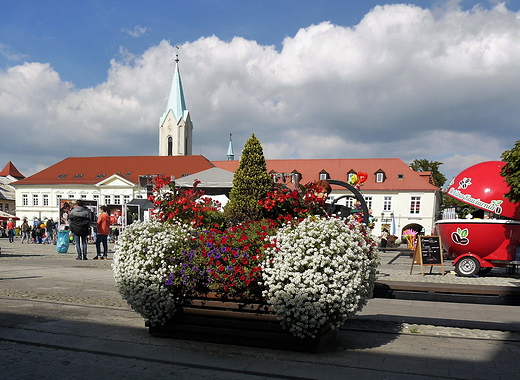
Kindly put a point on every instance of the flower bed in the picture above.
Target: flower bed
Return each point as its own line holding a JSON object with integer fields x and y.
{"x": 311, "y": 272}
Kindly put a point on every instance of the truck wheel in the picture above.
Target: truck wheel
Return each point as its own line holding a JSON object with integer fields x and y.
{"x": 467, "y": 267}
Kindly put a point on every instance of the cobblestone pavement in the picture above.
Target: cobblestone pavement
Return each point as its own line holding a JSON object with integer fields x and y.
{"x": 62, "y": 317}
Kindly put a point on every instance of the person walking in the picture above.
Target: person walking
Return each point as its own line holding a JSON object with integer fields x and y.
{"x": 79, "y": 221}
{"x": 25, "y": 231}
{"x": 49, "y": 231}
{"x": 10, "y": 230}
{"x": 103, "y": 230}
{"x": 384, "y": 239}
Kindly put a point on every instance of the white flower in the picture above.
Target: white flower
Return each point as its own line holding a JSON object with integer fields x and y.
{"x": 140, "y": 267}
{"x": 320, "y": 273}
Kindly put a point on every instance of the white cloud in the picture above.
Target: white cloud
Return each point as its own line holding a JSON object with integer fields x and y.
{"x": 5, "y": 50}
{"x": 405, "y": 82}
{"x": 137, "y": 32}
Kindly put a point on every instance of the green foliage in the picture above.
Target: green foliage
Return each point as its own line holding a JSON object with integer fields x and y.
{"x": 250, "y": 184}
{"x": 423, "y": 165}
{"x": 511, "y": 172}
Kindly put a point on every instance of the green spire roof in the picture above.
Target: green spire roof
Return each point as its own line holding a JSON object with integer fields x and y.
{"x": 176, "y": 101}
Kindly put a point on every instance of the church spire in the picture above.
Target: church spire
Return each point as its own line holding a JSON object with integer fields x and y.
{"x": 230, "y": 154}
{"x": 175, "y": 126}
{"x": 176, "y": 101}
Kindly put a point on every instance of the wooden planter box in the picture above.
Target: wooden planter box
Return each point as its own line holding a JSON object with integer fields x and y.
{"x": 229, "y": 322}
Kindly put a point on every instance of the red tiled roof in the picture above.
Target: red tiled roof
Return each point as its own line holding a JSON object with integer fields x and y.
{"x": 338, "y": 169}
{"x": 90, "y": 170}
{"x": 11, "y": 170}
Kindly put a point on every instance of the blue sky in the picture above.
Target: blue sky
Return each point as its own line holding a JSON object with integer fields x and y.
{"x": 312, "y": 79}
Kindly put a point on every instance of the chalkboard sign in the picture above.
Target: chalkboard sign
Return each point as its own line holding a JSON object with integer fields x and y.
{"x": 428, "y": 252}
{"x": 431, "y": 250}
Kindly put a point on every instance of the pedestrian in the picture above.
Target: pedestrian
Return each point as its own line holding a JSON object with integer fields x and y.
{"x": 49, "y": 231}
{"x": 103, "y": 230}
{"x": 79, "y": 221}
{"x": 10, "y": 228}
{"x": 384, "y": 240}
{"x": 33, "y": 234}
{"x": 25, "y": 230}
{"x": 40, "y": 232}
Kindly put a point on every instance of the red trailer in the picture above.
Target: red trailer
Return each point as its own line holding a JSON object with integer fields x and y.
{"x": 478, "y": 245}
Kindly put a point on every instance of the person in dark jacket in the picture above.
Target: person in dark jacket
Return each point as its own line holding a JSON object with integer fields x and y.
{"x": 79, "y": 222}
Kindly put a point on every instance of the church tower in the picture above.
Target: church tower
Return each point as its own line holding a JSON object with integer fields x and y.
{"x": 175, "y": 127}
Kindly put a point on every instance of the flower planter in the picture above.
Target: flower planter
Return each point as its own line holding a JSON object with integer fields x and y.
{"x": 209, "y": 319}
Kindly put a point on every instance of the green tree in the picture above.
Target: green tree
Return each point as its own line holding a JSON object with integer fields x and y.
{"x": 250, "y": 184}
{"x": 423, "y": 165}
{"x": 511, "y": 172}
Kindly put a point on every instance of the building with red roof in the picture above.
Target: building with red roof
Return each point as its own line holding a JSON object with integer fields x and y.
{"x": 399, "y": 197}
{"x": 8, "y": 175}
{"x": 107, "y": 180}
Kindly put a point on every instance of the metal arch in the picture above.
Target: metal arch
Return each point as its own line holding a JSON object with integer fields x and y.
{"x": 356, "y": 193}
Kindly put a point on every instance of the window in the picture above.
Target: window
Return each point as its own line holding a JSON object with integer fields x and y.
{"x": 83, "y": 196}
{"x": 1, "y": 206}
{"x": 117, "y": 199}
{"x": 380, "y": 177}
{"x": 368, "y": 201}
{"x": 400, "y": 176}
{"x": 7, "y": 207}
{"x": 126, "y": 199}
{"x": 45, "y": 199}
{"x": 387, "y": 204}
{"x": 71, "y": 196}
{"x": 350, "y": 202}
{"x": 139, "y": 197}
{"x": 96, "y": 198}
{"x": 415, "y": 206}
{"x": 324, "y": 175}
{"x": 170, "y": 146}
{"x": 35, "y": 199}
{"x": 25, "y": 200}
{"x": 106, "y": 199}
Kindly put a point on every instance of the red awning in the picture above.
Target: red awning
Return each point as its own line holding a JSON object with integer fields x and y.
{"x": 6, "y": 216}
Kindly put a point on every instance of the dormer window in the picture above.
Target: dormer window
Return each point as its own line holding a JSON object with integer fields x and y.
{"x": 400, "y": 176}
{"x": 380, "y": 176}
{"x": 324, "y": 175}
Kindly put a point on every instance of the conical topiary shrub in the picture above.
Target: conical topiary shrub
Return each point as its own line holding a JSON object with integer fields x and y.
{"x": 250, "y": 184}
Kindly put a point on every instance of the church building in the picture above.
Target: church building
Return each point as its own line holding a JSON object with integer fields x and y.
{"x": 175, "y": 127}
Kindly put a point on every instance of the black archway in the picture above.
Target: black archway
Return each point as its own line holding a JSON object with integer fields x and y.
{"x": 357, "y": 195}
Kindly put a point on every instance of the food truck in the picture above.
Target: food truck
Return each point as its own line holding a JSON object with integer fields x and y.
{"x": 478, "y": 245}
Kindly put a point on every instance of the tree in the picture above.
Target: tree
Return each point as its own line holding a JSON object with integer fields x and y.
{"x": 511, "y": 172}
{"x": 250, "y": 184}
{"x": 423, "y": 165}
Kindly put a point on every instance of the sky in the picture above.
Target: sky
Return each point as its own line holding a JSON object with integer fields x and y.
{"x": 435, "y": 80}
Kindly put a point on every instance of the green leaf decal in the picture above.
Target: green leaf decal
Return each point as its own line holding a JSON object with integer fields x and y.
{"x": 464, "y": 233}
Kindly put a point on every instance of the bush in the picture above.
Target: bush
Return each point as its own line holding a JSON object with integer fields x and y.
{"x": 319, "y": 273}
{"x": 142, "y": 264}
{"x": 250, "y": 184}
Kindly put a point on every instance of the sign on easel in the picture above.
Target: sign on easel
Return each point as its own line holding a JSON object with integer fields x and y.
{"x": 428, "y": 251}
